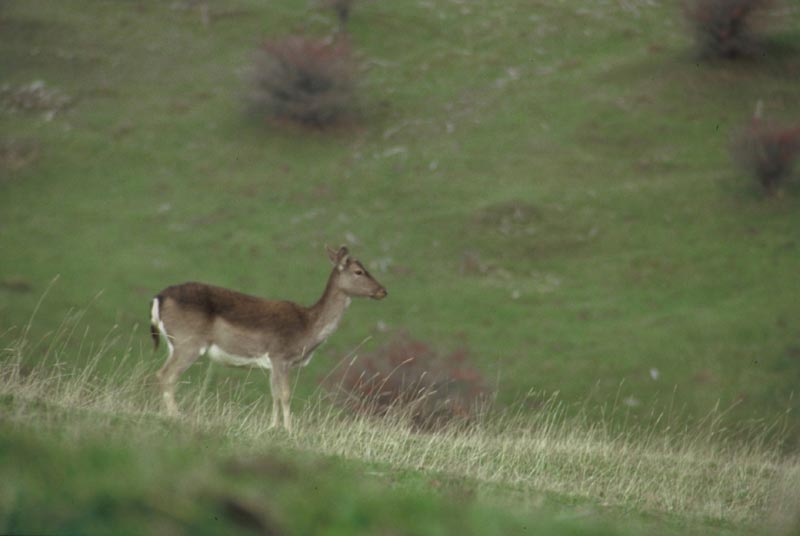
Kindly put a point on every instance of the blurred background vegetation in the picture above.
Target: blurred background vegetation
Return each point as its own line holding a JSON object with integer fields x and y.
{"x": 594, "y": 198}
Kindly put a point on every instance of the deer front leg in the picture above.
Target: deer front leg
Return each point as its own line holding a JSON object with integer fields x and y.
{"x": 281, "y": 394}
{"x": 286, "y": 397}
{"x": 275, "y": 390}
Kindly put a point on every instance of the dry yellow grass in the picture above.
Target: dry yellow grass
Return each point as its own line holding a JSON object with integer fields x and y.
{"x": 697, "y": 472}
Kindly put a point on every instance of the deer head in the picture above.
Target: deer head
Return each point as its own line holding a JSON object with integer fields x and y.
{"x": 352, "y": 278}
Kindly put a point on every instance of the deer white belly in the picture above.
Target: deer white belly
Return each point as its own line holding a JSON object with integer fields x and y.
{"x": 218, "y": 355}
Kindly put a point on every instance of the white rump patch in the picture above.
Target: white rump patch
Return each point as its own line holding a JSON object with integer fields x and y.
{"x": 154, "y": 316}
{"x": 218, "y": 355}
{"x": 155, "y": 319}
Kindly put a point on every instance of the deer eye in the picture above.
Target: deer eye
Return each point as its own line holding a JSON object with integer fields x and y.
{"x": 359, "y": 272}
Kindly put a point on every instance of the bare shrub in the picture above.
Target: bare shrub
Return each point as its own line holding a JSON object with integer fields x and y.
{"x": 406, "y": 377}
{"x": 303, "y": 79}
{"x": 726, "y": 28}
{"x": 768, "y": 151}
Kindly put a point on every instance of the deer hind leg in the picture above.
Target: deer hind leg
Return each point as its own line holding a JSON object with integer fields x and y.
{"x": 281, "y": 394}
{"x": 181, "y": 356}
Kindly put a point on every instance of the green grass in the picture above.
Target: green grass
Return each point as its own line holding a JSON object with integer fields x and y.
{"x": 642, "y": 247}
{"x": 178, "y": 486}
{"x": 95, "y": 452}
{"x": 195, "y": 482}
{"x": 578, "y": 150}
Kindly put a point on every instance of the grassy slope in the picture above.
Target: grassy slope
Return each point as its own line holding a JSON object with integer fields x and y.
{"x": 97, "y": 458}
{"x": 194, "y": 483}
{"x": 636, "y": 245}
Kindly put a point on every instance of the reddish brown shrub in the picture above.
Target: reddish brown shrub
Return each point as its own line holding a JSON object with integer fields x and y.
{"x": 308, "y": 80}
{"x": 406, "y": 377}
{"x": 726, "y": 28}
{"x": 768, "y": 151}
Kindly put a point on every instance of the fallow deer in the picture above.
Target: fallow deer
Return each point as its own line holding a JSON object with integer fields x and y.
{"x": 236, "y": 329}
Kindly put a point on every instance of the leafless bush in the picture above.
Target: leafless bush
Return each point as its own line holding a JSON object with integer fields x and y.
{"x": 768, "y": 151}
{"x": 726, "y": 28}
{"x": 307, "y": 80}
{"x": 407, "y": 377}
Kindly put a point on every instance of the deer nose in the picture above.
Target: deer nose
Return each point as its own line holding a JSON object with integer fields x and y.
{"x": 380, "y": 293}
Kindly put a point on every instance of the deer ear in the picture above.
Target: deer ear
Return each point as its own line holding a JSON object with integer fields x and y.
{"x": 331, "y": 254}
{"x": 338, "y": 258}
{"x": 342, "y": 257}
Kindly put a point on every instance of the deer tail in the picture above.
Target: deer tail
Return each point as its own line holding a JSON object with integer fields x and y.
{"x": 154, "y": 320}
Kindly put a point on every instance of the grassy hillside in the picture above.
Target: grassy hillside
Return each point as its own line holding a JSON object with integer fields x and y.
{"x": 578, "y": 151}
{"x": 86, "y": 452}
{"x": 196, "y": 483}
{"x": 576, "y": 154}
{"x": 548, "y": 185}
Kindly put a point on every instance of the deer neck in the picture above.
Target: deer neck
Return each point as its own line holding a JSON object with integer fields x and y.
{"x": 328, "y": 311}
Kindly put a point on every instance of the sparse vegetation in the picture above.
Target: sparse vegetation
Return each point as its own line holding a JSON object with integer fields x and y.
{"x": 768, "y": 150}
{"x": 726, "y": 28}
{"x": 304, "y": 79}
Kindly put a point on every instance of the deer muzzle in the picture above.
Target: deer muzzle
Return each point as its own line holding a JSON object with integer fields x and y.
{"x": 380, "y": 294}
